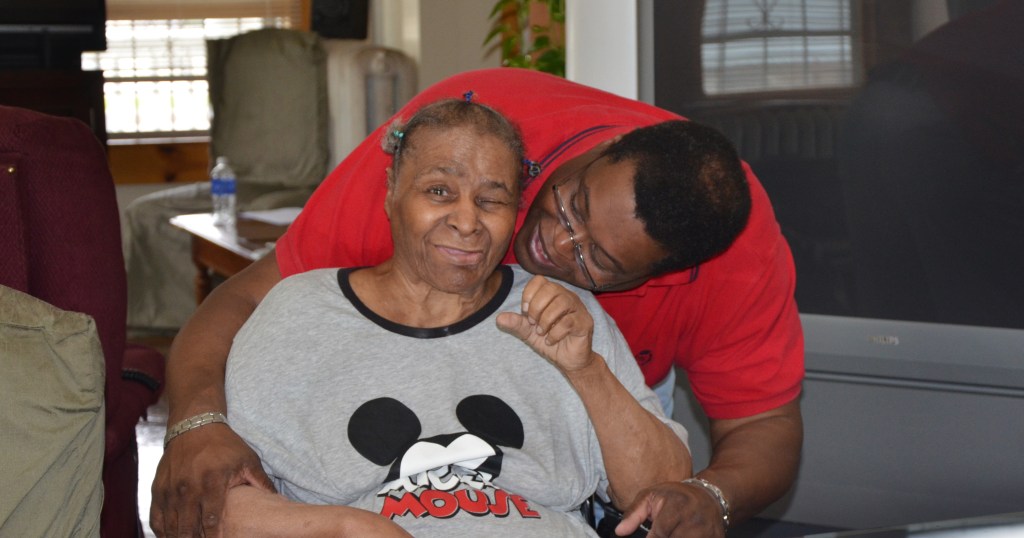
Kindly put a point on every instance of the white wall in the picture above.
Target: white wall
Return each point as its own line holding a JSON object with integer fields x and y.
{"x": 396, "y": 24}
{"x": 452, "y": 33}
{"x": 602, "y": 44}
{"x": 445, "y": 37}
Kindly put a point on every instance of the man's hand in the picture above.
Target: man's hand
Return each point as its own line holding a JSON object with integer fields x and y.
{"x": 195, "y": 472}
{"x": 676, "y": 510}
{"x": 554, "y": 323}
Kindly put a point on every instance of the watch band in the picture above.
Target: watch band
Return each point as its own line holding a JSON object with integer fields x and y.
{"x": 716, "y": 493}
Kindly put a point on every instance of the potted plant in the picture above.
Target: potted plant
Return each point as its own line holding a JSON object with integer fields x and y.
{"x": 529, "y": 34}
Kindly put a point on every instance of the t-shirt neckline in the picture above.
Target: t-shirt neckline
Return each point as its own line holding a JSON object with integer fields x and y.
{"x": 507, "y": 278}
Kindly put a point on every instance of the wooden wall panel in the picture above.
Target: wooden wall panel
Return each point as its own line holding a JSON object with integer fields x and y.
{"x": 160, "y": 163}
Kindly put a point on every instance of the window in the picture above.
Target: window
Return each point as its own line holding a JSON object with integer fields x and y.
{"x": 155, "y": 63}
{"x": 769, "y": 45}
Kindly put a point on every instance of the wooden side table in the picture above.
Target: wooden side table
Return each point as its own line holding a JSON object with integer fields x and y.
{"x": 225, "y": 250}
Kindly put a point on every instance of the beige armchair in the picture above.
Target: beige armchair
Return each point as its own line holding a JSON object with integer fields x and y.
{"x": 287, "y": 106}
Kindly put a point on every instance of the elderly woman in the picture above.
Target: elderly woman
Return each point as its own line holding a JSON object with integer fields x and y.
{"x": 440, "y": 393}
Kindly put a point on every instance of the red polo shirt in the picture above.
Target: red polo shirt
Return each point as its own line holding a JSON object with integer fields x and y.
{"x": 731, "y": 323}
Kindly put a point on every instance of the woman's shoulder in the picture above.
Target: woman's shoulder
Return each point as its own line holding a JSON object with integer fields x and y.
{"x": 313, "y": 275}
{"x": 522, "y": 277}
{"x": 306, "y": 282}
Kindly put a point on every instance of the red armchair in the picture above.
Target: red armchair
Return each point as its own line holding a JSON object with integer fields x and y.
{"x": 61, "y": 242}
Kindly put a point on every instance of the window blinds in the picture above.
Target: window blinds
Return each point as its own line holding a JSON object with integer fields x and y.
{"x": 204, "y": 9}
{"x": 155, "y": 62}
{"x": 769, "y": 45}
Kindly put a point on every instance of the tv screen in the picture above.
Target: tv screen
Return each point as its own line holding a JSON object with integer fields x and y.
{"x": 902, "y": 200}
{"x": 931, "y": 168}
{"x": 50, "y": 33}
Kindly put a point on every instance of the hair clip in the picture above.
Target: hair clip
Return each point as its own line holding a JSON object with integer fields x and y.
{"x": 532, "y": 167}
{"x": 468, "y": 96}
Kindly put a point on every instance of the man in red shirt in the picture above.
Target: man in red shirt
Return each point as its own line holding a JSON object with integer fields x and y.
{"x": 728, "y": 319}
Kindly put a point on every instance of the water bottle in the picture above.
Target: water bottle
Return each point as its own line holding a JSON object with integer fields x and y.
{"x": 222, "y": 189}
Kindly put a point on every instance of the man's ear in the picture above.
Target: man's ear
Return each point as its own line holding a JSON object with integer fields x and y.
{"x": 612, "y": 140}
{"x": 390, "y": 183}
{"x": 605, "y": 144}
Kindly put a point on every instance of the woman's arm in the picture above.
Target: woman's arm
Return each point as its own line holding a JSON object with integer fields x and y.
{"x": 198, "y": 466}
{"x": 639, "y": 449}
{"x": 255, "y": 513}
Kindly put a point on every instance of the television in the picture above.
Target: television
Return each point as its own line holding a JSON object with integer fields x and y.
{"x": 905, "y": 215}
{"x": 50, "y": 34}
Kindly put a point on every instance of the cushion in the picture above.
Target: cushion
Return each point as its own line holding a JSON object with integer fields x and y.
{"x": 268, "y": 91}
{"x": 52, "y": 419}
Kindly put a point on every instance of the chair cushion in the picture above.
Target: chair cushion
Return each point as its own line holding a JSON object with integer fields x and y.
{"x": 51, "y": 416}
{"x": 67, "y": 212}
{"x": 268, "y": 91}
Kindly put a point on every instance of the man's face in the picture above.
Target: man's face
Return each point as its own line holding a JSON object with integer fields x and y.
{"x": 599, "y": 207}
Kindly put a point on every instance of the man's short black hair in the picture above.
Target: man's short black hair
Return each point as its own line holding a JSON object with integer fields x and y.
{"x": 691, "y": 190}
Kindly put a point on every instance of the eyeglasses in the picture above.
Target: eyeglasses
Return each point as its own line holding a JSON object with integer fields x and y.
{"x": 576, "y": 246}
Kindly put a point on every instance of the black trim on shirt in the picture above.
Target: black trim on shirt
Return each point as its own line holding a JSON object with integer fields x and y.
{"x": 570, "y": 142}
{"x": 559, "y": 150}
{"x": 507, "y": 279}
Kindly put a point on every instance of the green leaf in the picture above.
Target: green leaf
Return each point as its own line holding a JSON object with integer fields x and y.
{"x": 499, "y": 7}
{"x": 507, "y": 36}
{"x": 496, "y": 31}
{"x": 509, "y": 46}
{"x": 557, "y": 10}
{"x": 523, "y": 10}
{"x": 552, "y": 61}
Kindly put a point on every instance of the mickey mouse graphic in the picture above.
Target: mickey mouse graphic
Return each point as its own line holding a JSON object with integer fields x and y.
{"x": 445, "y": 473}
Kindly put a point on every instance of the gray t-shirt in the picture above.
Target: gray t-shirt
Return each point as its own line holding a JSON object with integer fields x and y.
{"x": 452, "y": 431}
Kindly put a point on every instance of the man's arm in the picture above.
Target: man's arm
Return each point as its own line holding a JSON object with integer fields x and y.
{"x": 198, "y": 466}
{"x": 255, "y": 513}
{"x": 754, "y": 459}
{"x": 754, "y": 462}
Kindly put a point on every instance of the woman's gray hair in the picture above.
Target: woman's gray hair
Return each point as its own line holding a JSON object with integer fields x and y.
{"x": 400, "y": 136}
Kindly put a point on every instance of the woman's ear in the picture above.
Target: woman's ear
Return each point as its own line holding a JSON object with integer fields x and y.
{"x": 390, "y": 182}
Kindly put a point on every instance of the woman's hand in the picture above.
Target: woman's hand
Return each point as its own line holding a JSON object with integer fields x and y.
{"x": 255, "y": 513}
{"x": 554, "y": 323}
{"x": 195, "y": 472}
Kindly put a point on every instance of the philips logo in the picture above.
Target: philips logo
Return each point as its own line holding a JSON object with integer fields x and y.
{"x": 885, "y": 340}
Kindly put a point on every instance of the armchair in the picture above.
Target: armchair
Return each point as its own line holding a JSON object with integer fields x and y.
{"x": 61, "y": 243}
{"x": 287, "y": 107}
{"x": 268, "y": 94}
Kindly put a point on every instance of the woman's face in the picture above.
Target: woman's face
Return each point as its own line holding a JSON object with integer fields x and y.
{"x": 452, "y": 207}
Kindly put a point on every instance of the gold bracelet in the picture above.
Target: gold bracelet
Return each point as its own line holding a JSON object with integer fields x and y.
{"x": 716, "y": 493}
{"x": 192, "y": 423}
